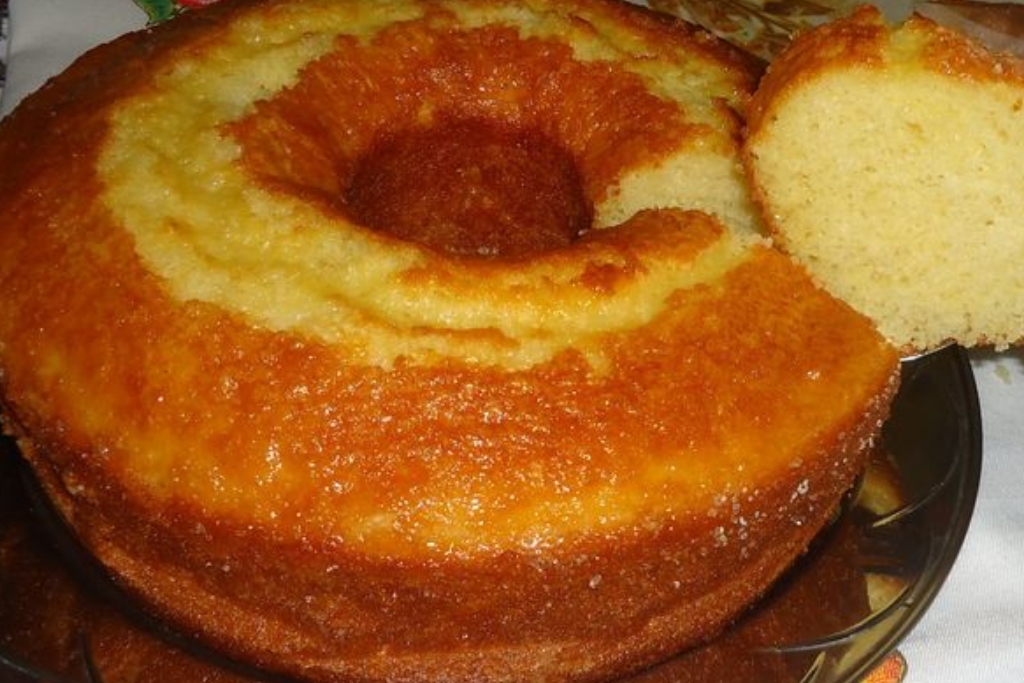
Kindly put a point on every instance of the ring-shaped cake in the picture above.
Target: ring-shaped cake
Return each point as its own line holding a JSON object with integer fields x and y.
{"x": 421, "y": 340}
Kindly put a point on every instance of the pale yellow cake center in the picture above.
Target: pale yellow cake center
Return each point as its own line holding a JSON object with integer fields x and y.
{"x": 176, "y": 180}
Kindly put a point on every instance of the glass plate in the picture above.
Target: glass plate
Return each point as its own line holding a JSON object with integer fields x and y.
{"x": 833, "y": 617}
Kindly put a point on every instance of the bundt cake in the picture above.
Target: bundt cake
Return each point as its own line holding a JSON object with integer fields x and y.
{"x": 420, "y": 340}
{"x": 887, "y": 160}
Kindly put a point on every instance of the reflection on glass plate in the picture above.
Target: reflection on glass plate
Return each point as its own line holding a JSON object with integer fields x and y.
{"x": 846, "y": 604}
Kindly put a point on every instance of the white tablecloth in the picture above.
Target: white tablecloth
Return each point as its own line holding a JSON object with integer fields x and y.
{"x": 974, "y": 632}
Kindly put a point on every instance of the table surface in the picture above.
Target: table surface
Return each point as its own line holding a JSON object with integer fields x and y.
{"x": 974, "y": 631}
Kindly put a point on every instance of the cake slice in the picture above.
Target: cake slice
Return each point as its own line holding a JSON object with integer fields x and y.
{"x": 888, "y": 160}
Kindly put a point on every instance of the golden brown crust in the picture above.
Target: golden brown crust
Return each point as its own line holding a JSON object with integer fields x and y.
{"x": 55, "y": 618}
{"x": 863, "y": 39}
{"x": 578, "y": 599}
{"x": 321, "y": 515}
{"x": 856, "y": 41}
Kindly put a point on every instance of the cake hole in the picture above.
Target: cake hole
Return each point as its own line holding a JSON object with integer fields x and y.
{"x": 471, "y": 187}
